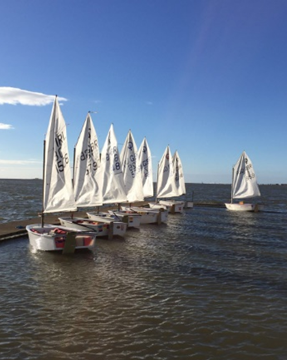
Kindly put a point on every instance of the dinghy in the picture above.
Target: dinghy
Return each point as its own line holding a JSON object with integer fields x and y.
{"x": 244, "y": 185}
{"x": 145, "y": 164}
{"x": 131, "y": 170}
{"x": 170, "y": 183}
{"x": 132, "y": 181}
{"x": 102, "y": 227}
{"x": 88, "y": 185}
{"x": 111, "y": 179}
{"x": 58, "y": 195}
{"x": 148, "y": 216}
{"x": 58, "y": 238}
{"x": 132, "y": 220}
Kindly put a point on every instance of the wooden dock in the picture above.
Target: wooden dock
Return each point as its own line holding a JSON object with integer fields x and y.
{"x": 16, "y": 229}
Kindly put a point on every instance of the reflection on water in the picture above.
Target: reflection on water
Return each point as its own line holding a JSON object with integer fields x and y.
{"x": 209, "y": 284}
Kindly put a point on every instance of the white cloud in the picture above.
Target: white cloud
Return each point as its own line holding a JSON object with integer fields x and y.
{"x": 149, "y": 103}
{"x": 14, "y": 96}
{"x": 5, "y": 126}
{"x": 20, "y": 162}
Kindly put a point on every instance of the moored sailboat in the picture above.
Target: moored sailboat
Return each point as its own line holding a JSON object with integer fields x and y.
{"x": 112, "y": 188}
{"x": 131, "y": 170}
{"x": 145, "y": 164}
{"x": 132, "y": 181}
{"x": 170, "y": 182}
{"x": 88, "y": 184}
{"x": 148, "y": 215}
{"x": 58, "y": 193}
{"x": 244, "y": 185}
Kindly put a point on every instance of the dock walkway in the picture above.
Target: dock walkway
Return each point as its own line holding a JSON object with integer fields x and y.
{"x": 16, "y": 229}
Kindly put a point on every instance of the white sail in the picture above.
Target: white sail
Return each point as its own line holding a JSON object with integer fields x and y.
{"x": 58, "y": 192}
{"x": 113, "y": 189}
{"x": 244, "y": 183}
{"x": 145, "y": 163}
{"x": 87, "y": 186}
{"x": 178, "y": 174}
{"x": 131, "y": 170}
{"x": 165, "y": 177}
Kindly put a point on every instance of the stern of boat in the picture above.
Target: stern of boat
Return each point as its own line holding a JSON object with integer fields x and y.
{"x": 53, "y": 238}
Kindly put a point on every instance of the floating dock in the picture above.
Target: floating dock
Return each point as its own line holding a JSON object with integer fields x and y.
{"x": 17, "y": 228}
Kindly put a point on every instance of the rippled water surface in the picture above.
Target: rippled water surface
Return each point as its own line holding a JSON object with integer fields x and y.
{"x": 210, "y": 284}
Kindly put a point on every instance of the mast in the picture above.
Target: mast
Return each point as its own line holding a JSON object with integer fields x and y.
{"x": 232, "y": 185}
{"x": 44, "y": 160}
{"x": 156, "y": 182}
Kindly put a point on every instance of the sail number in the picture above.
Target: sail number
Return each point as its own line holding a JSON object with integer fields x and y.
{"x": 62, "y": 159}
{"x": 116, "y": 164}
{"x": 248, "y": 171}
{"x": 88, "y": 154}
{"x": 132, "y": 165}
{"x": 144, "y": 167}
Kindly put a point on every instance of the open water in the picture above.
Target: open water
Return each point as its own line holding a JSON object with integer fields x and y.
{"x": 210, "y": 284}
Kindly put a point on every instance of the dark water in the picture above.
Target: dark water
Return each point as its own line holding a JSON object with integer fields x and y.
{"x": 210, "y": 284}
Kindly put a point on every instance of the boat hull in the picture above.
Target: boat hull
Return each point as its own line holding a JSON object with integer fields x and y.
{"x": 243, "y": 207}
{"x": 148, "y": 216}
{"x": 47, "y": 238}
{"x": 101, "y": 228}
{"x": 133, "y": 220}
{"x": 173, "y": 206}
{"x": 188, "y": 204}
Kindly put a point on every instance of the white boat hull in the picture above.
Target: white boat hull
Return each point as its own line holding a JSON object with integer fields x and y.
{"x": 101, "y": 228}
{"x": 157, "y": 206}
{"x": 101, "y": 217}
{"x": 173, "y": 206}
{"x": 52, "y": 237}
{"x": 243, "y": 207}
{"x": 133, "y": 220}
{"x": 188, "y": 204}
{"x": 148, "y": 216}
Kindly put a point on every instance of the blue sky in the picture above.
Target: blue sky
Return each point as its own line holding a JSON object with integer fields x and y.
{"x": 207, "y": 77}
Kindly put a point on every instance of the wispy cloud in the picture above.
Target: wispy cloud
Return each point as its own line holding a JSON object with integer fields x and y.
{"x": 149, "y": 103}
{"x": 97, "y": 101}
{"x": 20, "y": 162}
{"x": 5, "y": 126}
{"x": 15, "y": 96}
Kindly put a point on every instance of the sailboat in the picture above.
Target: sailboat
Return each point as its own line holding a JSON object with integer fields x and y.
{"x": 132, "y": 178}
{"x": 145, "y": 163}
{"x": 58, "y": 195}
{"x": 131, "y": 170}
{"x": 88, "y": 184}
{"x": 170, "y": 182}
{"x": 148, "y": 215}
{"x": 179, "y": 179}
{"x": 113, "y": 189}
{"x": 244, "y": 185}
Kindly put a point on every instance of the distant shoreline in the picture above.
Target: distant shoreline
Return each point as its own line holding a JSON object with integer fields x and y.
{"x": 187, "y": 183}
